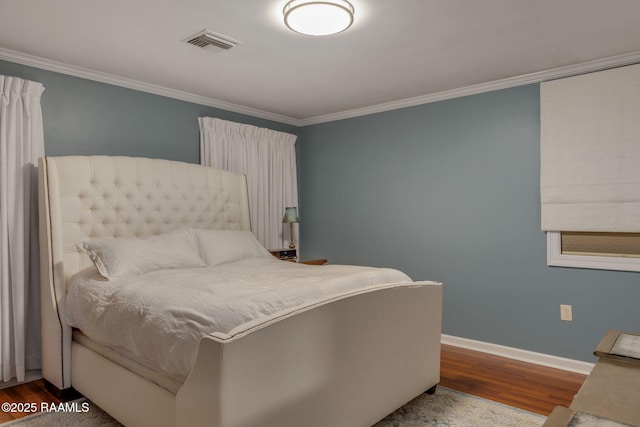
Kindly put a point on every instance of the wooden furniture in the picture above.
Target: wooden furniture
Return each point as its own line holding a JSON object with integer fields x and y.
{"x": 319, "y": 261}
{"x": 284, "y": 254}
{"x": 292, "y": 255}
{"x": 612, "y": 389}
{"x": 348, "y": 361}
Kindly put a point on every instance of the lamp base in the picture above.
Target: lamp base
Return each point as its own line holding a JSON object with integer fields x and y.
{"x": 291, "y": 244}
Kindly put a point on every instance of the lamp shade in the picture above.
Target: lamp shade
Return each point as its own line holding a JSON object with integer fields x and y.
{"x": 318, "y": 18}
{"x": 290, "y": 215}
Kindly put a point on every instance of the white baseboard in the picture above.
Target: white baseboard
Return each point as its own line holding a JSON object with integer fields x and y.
{"x": 29, "y": 376}
{"x": 519, "y": 354}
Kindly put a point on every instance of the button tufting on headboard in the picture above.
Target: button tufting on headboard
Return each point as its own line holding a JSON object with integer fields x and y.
{"x": 103, "y": 197}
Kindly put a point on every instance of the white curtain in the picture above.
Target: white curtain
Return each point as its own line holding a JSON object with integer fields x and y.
{"x": 268, "y": 159}
{"x": 21, "y": 144}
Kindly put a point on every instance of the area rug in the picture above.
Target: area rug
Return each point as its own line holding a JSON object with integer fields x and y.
{"x": 450, "y": 408}
{"x": 445, "y": 408}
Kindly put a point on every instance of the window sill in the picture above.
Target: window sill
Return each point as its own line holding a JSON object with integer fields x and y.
{"x": 556, "y": 258}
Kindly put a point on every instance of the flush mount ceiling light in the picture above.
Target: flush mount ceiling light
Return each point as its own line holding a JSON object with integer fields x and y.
{"x": 318, "y": 18}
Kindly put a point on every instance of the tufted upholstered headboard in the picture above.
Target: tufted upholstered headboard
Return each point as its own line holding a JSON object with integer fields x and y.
{"x": 84, "y": 197}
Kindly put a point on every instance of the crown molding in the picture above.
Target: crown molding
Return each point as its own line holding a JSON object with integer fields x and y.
{"x": 537, "y": 77}
{"x": 86, "y": 73}
{"x": 525, "y": 79}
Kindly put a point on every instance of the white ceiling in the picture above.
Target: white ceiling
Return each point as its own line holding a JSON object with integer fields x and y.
{"x": 395, "y": 50}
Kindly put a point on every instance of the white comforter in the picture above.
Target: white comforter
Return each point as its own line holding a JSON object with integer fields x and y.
{"x": 158, "y": 318}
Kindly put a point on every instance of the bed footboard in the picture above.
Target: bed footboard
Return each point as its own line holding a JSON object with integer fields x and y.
{"x": 347, "y": 363}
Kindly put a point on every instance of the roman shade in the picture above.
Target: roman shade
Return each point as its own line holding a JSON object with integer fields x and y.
{"x": 590, "y": 152}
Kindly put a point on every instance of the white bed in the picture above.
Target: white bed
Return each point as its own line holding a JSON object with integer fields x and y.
{"x": 345, "y": 358}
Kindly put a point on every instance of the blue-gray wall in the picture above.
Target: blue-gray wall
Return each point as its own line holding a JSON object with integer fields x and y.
{"x": 449, "y": 191}
{"x": 84, "y": 117}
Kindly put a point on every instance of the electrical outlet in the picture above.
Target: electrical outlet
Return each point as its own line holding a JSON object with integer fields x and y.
{"x": 565, "y": 313}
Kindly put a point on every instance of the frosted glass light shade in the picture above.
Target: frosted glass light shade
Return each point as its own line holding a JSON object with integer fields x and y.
{"x": 318, "y": 18}
{"x": 290, "y": 215}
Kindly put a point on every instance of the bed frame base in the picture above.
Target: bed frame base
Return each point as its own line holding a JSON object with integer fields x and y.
{"x": 127, "y": 397}
{"x": 347, "y": 363}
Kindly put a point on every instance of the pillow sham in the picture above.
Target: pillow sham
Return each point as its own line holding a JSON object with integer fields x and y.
{"x": 222, "y": 246}
{"x": 130, "y": 256}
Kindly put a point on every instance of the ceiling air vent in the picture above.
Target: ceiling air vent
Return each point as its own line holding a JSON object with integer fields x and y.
{"x": 208, "y": 38}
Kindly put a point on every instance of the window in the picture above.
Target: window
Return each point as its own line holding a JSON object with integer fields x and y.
{"x": 604, "y": 251}
{"x": 589, "y": 174}
{"x": 620, "y": 245}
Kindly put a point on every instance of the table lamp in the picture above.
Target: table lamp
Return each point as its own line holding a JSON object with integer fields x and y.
{"x": 290, "y": 217}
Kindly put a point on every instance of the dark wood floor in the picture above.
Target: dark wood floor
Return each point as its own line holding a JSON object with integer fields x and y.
{"x": 532, "y": 387}
{"x": 526, "y": 386}
{"x": 29, "y": 393}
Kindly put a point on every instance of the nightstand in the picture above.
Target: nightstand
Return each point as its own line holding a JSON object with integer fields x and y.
{"x": 291, "y": 255}
{"x": 284, "y": 254}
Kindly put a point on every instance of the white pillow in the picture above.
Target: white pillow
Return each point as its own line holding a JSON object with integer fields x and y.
{"x": 129, "y": 256}
{"x": 222, "y": 246}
